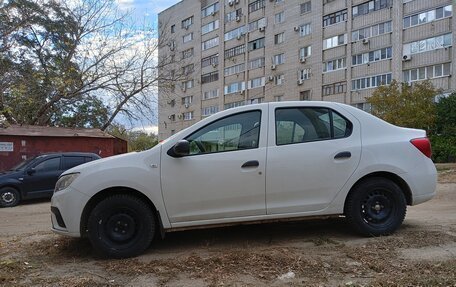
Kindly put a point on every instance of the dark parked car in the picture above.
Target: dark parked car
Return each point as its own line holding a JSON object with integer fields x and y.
{"x": 36, "y": 177}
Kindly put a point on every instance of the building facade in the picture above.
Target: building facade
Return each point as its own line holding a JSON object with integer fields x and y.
{"x": 237, "y": 52}
{"x": 18, "y": 143}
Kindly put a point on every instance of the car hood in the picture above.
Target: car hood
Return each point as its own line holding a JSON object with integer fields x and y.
{"x": 123, "y": 160}
{"x": 10, "y": 174}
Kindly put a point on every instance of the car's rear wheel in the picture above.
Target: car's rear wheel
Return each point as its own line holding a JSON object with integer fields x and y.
{"x": 376, "y": 207}
{"x": 9, "y": 197}
{"x": 121, "y": 226}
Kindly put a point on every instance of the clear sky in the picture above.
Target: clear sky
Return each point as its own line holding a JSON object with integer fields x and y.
{"x": 142, "y": 9}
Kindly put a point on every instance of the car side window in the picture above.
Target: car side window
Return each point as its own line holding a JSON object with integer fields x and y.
{"x": 298, "y": 125}
{"x": 72, "y": 161}
{"x": 236, "y": 132}
{"x": 52, "y": 164}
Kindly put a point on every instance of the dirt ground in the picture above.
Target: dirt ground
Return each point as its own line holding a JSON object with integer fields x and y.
{"x": 308, "y": 253}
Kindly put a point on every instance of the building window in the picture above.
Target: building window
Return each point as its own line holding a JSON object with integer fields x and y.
{"x": 209, "y": 77}
{"x": 207, "y": 111}
{"x": 186, "y": 70}
{"x": 370, "y": 6}
{"x": 335, "y": 18}
{"x": 306, "y": 7}
{"x": 235, "y": 33}
{"x": 279, "y": 80}
{"x": 211, "y": 43}
{"x": 187, "y": 53}
{"x": 372, "y": 31}
{"x": 173, "y": 28}
{"x": 234, "y": 105}
{"x": 305, "y": 52}
{"x": 255, "y": 25}
{"x": 279, "y": 17}
{"x": 186, "y": 23}
{"x": 305, "y": 29}
{"x": 211, "y": 94}
{"x": 428, "y": 16}
{"x": 278, "y": 98}
{"x": 256, "y": 5}
{"x": 232, "y": 52}
{"x": 364, "y": 107}
{"x": 334, "y": 65}
{"x": 256, "y": 83}
{"x": 335, "y": 41}
{"x": 234, "y": 69}
{"x": 209, "y": 27}
{"x": 208, "y": 61}
{"x": 187, "y": 84}
{"x": 233, "y": 16}
{"x": 234, "y": 87}
{"x": 187, "y": 100}
{"x": 278, "y": 59}
{"x": 335, "y": 88}
{"x": 373, "y": 56}
{"x": 210, "y": 10}
{"x": 304, "y": 74}
{"x": 429, "y": 72}
{"x": 254, "y": 101}
{"x": 256, "y": 44}
{"x": 371, "y": 82}
{"x": 428, "y": 44}
{"x": 256, "y": 63}
{"x": 188, "y": 116}
{"x": 187, "y": 38}
{"x": 279, "y": 38}
{"x": 304, "y": 95}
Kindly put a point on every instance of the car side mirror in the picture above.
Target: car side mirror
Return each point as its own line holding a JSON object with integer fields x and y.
{"x": 181, "y": 148}
{"x": 31, "y": 171}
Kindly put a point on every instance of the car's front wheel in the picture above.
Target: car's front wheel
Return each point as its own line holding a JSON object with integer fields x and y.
{"x": 9, "y": 197}
{"x": 376, "y": 207}
{"x": 121, "y": 226}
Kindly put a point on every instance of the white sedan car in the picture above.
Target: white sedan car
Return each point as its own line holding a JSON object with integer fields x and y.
{"x": 250, "y": 164}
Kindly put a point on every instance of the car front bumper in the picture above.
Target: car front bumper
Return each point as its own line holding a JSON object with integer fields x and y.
{"x": 66, "y": 210}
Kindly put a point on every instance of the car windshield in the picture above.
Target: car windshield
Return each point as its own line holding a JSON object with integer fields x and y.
{"x": 22, "y": 165}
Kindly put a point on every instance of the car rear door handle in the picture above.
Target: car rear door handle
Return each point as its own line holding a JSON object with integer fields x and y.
{"x": 251, "y": 163}
{"x": 342, "y": 155}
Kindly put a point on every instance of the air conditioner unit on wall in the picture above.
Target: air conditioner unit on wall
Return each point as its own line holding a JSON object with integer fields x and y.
{"x": 365, "y": 41}
{"x": 262, "y": 29}
{"x": 273, "y": 67}
{"x": 300, "y": 82}
{"x": 271, "y": 78}
{"x": 238, "y": 18}
{"x": 186, "y": 106}
{"x": 296, "y": 28}
{"x": 406, "y": 57}
{"x": 302, "y": 60}
{"x": 231, "y": 2}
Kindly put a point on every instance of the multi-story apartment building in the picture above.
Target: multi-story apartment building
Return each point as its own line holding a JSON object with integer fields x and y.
{"x": 237, "y": 52}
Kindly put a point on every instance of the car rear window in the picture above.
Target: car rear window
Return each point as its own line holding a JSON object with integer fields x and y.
{"x": 72, "y": 161}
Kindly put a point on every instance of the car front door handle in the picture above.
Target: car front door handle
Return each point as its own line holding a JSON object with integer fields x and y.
{"x": 342, "y": 155}
{"x": 251, "y": 163}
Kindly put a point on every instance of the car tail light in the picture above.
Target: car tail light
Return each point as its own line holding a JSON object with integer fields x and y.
{"x": 423, "y": 145}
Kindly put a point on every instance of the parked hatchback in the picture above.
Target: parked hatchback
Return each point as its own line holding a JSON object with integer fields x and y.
{"x": 255, "y": 163}
{"x": 36, "y": 177}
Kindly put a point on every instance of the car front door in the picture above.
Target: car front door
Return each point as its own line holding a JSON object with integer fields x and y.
{"x": 224, "y": 174}
{"x": 312, "y": 153}
{"x": 41, "y": 178}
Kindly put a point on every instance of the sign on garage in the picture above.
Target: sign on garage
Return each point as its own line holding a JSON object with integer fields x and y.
{"x": 6, "y": 146}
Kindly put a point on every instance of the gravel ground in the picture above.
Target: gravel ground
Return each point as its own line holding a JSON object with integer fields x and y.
{"x": 309, "y": 253}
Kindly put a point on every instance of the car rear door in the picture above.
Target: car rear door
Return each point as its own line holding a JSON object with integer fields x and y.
{"x": 312, "y": 152}
{"x": 223, "y": 177}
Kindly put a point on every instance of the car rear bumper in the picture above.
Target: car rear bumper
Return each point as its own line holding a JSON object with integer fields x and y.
{"x": 422, "y": 182}
{"x": 66, "y": 211}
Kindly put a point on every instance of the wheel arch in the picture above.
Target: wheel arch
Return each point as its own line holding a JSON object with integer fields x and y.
{"x": 12, "y": 185}
{"x": 98, "y": 197}
{"x": 388, "y": 175}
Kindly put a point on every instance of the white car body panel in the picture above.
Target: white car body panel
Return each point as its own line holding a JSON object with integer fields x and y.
{"x": 212, "y": 189}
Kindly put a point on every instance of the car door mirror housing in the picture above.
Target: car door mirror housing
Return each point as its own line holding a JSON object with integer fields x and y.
{"x": 181, "y": 148}
{"x": 31, "y": 171}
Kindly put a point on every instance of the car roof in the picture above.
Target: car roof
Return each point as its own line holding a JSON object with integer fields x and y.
{"x": 88, "y": 154}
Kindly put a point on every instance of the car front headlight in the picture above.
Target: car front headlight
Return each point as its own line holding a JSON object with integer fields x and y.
{"x": 65, "y": 181}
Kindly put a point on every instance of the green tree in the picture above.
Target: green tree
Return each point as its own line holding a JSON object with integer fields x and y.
{"x": 137, "y": 140}
{"x": 446, "y": 115}
{"x": 404, "y": 105}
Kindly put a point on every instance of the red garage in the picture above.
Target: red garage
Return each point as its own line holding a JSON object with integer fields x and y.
{"x": 18, "y": 143}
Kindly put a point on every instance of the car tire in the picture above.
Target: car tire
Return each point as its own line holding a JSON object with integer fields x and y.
{"x": 375, "y": 207}
{"x": 9, "y": 197}
{"x": 121, "y": 226}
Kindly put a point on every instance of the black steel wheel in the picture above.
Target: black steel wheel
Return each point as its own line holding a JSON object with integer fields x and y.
{"x": 121, "y": 226}
{"x": 375, "y": 207}
{"x": 9, "y": 197}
